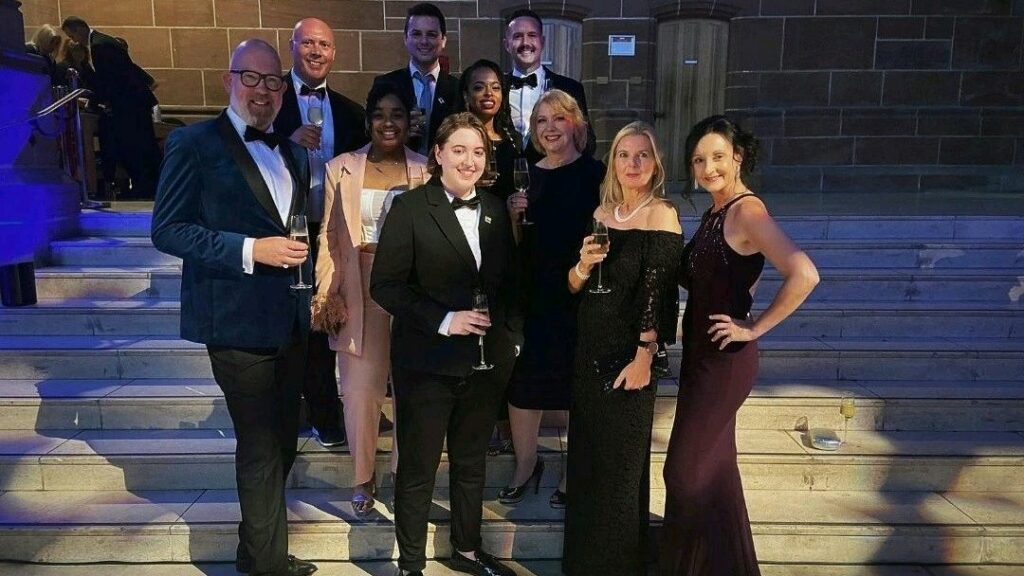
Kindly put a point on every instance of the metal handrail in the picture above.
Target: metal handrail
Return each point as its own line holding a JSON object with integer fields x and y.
{"x": 52, "y": 108}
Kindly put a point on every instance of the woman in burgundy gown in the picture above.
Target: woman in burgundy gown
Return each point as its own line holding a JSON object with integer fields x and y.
{"x": 706, "y": 529}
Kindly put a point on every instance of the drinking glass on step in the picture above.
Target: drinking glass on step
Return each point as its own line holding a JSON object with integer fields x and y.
{"x": 848, "y": 409}
{"x": 299, "y": 232}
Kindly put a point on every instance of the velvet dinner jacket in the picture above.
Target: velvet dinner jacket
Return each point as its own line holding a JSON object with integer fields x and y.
{"x": 341, "y": 235}
{"x": 211, "y": 196}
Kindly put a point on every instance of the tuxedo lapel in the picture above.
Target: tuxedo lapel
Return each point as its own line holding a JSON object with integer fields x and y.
{"x": 486, "y": 228}
{"x": 353, "y": 171}
{"x": 441, "y": 211}
{"x": 236, "y": 149}
{"x": 300, "y": 178}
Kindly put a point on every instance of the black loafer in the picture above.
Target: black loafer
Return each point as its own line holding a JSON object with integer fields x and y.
{"x": 296, "y": 567}
{"x": 484, "y": 565}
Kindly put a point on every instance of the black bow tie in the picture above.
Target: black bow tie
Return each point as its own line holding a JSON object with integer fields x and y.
{"x": 306, "y": 91}
{"x": 518, "y": 83}
{"x": 268, "y": 138}
{"x": 470, "y": 203}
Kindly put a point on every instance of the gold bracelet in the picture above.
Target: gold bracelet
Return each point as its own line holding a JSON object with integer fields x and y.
{"x": 582, "y": 276}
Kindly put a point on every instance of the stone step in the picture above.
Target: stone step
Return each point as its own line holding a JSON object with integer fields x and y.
{"x": 993, "y": 286}
{"x": 522, "y": 568}
{"x": 965, "y": 359}
{"x": 56, "y": 460}
{"x": 809, "y": 227}
{"x": 985, "y": 406}
{"x": 892, "y": 253}
{"x": 832, "y": 319}
{"x": 918, "y": 527}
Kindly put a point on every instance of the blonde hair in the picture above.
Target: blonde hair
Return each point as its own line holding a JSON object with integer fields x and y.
{"x": 561, "y": 101}
{"x": 44, "y": 40}
{"x": 452, "y": 124}
{"x": 611, "y": 190}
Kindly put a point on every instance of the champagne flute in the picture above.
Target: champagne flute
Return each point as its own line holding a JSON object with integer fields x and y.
{"x": 848, "y": 408}
{"x": 601, "y": 240}
{"x": 521, "y": 180}
{"x": 299, "y": 232}
{"x": 315, "y": 112}
{"x": 415, "y": 175}
{"x": 480, "y": 305}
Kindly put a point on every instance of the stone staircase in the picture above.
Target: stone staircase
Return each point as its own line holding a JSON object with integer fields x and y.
{"x": 115, "y": 443}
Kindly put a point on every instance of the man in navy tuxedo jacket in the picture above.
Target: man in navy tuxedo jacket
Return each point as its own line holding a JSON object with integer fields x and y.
{"x": 524, "y": 42}
{"x": 227, "y": 190}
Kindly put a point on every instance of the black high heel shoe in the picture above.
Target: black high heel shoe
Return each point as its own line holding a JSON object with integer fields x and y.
{"x": 510, "y": 495}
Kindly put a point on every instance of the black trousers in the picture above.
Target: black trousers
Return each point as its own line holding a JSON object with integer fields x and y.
{"x": 136, "y": 147}
{"x": 429, "y": 409}
{"x": 320, "y": 387}
{"x": 261, "y": 388}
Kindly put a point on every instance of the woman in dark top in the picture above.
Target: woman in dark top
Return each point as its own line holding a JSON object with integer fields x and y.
{"x": 564, "y": 191}
{"x": 706, "y": 531}
{"x": 483, "y": 91}
{"x": 606, "y": 521}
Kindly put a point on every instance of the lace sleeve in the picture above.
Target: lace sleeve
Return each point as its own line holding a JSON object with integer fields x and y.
{"x": 659, "y": 302}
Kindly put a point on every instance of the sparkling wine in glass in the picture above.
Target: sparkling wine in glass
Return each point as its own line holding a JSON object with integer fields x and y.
{"x": 848, "y": 409}
{"x": 521, "y": 180}
{"x": 315, "y": 112}
{"x": 601, "y": 241}
{"x": 298, "y": 231}
{"x": 416, "y": 177}
{"x": 480, "y": 305}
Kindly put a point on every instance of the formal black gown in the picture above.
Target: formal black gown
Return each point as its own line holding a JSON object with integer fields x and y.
{"x": 706, "y": 530}
{"x": 505, "y": 154}
{"x": 606, "y": 521}
{"x": 562, "y": 204}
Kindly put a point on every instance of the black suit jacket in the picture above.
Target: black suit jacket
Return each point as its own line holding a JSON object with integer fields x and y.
{"x": 210, "y": 198}
{"x": 119, "y": 81}
{"x": 446, "y": 98}
{"x": 424, "y": 269}
{"x": 574, "y": 89}
{"x": 349, "y": 119}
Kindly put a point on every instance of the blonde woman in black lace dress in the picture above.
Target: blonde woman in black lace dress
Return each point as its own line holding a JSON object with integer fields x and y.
{"x": 613, "y": 395}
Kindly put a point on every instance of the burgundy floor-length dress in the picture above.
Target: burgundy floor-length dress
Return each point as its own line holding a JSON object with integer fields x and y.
{"x": 706, "y": 530}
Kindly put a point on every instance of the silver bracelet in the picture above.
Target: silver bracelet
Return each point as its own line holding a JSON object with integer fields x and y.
{"x": 582, "y": 276}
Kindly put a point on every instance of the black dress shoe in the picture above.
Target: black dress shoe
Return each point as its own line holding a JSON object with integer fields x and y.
{"x": 484, "y": 565}
{"x": 295, "y": 567}
{"x": 330, "y": 437}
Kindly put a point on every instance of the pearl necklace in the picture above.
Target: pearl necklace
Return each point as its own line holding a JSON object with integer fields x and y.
{"x": 622, "y": 220}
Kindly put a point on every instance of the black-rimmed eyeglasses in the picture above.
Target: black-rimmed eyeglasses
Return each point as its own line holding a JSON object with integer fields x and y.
{"x": 251, "y": 79}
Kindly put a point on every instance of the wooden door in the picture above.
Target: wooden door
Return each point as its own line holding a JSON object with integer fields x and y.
{"x": 690, "y": 84}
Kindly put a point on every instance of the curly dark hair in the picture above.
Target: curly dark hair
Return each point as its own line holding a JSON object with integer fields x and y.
{"x": 384, "y": 88}
{"x": 503, "y": 120}
{"x": 742, "y": 141}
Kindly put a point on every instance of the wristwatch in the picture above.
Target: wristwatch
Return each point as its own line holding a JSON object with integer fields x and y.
{"x": 651, "y": 347}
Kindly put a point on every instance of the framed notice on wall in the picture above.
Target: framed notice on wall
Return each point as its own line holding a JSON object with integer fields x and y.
{"x": 619, "y": 45}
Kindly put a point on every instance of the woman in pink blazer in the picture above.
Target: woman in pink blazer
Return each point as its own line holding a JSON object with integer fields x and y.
{"x": 358, "y": 189}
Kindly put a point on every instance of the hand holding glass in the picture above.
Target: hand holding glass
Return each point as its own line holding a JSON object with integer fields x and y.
{"x": 299, "y": 232}
{"x": 601, "y": 241}
{"x": 315, "y": 112}
{"x": 480, "y": 306}
{"x": 521, "y": 180}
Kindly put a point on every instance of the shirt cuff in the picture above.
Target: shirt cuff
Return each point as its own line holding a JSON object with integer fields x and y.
{"x": 446, "y": 324}
{"x": 247, "y": 262}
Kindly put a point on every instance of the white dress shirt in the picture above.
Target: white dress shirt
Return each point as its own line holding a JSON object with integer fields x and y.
{"x": 275, "y": 173}
{"x": 522, "y": 100}
{"x": 469, "y": 221}
{"x": 315, "y": 201}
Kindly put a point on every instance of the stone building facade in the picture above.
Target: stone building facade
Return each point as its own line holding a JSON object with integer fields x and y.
{"x": 847, "y": 95}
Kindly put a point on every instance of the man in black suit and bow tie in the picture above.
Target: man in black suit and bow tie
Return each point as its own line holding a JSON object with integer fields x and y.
{"x": 524, "y": 42}
{"x": 227, "y": 191}
{"x": 441, "y": 243}
{"x": 344, "y": 129}
{"x": 127, "y": 88}
{"x": 435, "y": 92}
